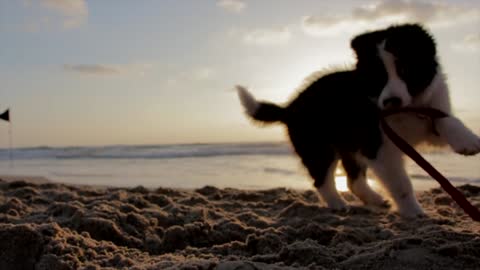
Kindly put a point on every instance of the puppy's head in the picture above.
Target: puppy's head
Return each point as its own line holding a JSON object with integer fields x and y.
{"x": 396, "y": 64}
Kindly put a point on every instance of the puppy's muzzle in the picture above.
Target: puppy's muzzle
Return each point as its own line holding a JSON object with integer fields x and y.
{"x": 392, "y": 103}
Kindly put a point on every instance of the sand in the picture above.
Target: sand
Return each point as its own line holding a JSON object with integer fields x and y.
{"x": 55, "y": 226}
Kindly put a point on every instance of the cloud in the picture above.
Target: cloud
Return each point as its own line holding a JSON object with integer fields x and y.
{"x": 45, "y": 14}
{"x": 102, "y": 69}
{"x": 92, "y": 69}
{"x": 264, "y": 37}
{"x": 196, "y": 75}
{"x": 473, "y": 39}
{"x": 322, "y": 26}
{"x": 74, "y": 12}
{"x": 203, "y": 73}
{"x": 427, "y": 12}
{"x": 471, "y": 43}
{"x": 235, "y": 6}
{"x": 387, "y": 12}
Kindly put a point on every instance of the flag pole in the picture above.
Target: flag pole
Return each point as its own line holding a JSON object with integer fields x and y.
{"x": 10, "y": 143}
{"x": 6, "y": 116}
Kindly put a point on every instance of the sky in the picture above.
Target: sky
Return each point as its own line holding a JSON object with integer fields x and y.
{"x": 76, "y": 72}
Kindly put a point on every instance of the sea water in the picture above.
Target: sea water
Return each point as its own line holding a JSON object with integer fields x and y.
{"x": 242, "y": 165}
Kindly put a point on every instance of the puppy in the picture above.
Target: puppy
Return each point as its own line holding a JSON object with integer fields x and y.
{"x": 336, "y": 116}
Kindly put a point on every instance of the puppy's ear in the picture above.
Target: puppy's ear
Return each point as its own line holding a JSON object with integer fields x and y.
{"x": 368, "y": 42}
{"x": 403, "y": 36}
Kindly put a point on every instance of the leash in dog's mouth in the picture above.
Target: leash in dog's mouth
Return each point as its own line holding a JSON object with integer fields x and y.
{"x": 433, "y": 114}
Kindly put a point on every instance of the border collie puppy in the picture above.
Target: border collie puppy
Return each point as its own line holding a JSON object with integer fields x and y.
{"x": 336, "y": 116}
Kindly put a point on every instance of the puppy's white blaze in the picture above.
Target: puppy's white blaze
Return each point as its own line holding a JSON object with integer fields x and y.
{"x": 248, "y": 101}
{"x": 395, "y": 87}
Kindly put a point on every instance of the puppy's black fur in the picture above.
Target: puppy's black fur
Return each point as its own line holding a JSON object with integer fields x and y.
{"x": 332, "y": 117}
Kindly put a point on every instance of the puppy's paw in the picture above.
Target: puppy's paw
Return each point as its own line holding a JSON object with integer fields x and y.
{"x": 375, "y": 199}
{"x": 466, "y": 144}
{"x": 337, "y": 204}
{"x": 414, "y": 210}
{"x": 412, "y": 215}
{"x": 459, "y": 137}
{"x": 382, "y": 204}
{"x": 331, "y": 197}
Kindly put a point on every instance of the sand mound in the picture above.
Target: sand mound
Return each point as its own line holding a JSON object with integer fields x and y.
{"x": 55, "y": 226}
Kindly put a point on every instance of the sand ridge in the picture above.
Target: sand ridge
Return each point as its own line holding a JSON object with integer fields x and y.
{"x": 57, "y": 226}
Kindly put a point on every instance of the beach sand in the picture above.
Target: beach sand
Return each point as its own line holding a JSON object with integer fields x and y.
{"x": 56, "y": 226}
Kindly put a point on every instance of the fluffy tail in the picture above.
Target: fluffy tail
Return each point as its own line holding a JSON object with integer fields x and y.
{"x": 260, "y": 111}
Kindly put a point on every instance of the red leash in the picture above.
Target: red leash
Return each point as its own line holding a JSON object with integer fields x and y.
{"x": 459, "y": 198}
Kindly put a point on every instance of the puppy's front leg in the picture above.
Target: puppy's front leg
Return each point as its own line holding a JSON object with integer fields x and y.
{"x": 388, "y": 166}
{"x": 458, "y": 136}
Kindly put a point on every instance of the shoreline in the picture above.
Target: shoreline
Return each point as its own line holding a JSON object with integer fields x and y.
{"x": 419, "y": 184}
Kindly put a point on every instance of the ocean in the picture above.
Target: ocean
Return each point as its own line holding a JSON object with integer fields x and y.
{"x": 239, "y": 165}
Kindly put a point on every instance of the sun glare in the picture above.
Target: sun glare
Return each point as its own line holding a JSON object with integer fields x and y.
{"x": 341, "y": 181}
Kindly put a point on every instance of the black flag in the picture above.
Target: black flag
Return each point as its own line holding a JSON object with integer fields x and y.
{"x": 6, "y": 115}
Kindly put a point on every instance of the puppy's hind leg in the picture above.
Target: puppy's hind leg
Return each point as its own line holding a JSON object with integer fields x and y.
{"x": 324, "y": 177}
{"x": 321, "y": 163}
{"x": 357, "y": 182}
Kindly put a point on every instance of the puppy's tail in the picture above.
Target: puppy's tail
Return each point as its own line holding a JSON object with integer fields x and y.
{"x": 261, "y": 111}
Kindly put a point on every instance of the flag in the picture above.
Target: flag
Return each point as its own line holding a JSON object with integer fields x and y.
{"x": 6, "y": 115}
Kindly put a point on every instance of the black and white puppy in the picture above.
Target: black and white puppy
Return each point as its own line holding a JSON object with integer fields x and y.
{"x": 336, "y": 116}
